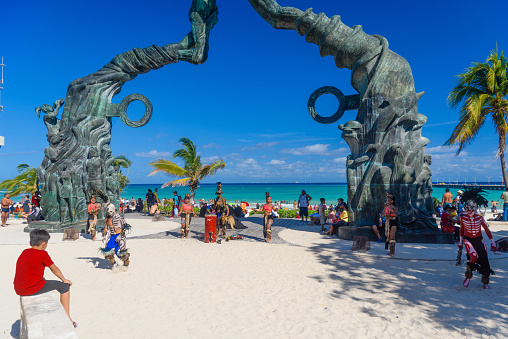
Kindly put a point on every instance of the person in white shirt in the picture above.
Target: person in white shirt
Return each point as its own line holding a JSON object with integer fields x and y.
{"x": 303, "y": 205}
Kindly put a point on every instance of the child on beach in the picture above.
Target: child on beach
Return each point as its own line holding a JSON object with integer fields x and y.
{"x": 322, "y": 216}
{"x": 29, "y": 277}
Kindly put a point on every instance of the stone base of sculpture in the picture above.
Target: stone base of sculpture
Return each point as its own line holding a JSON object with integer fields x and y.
{"x": 55, "y": 226}
{"x": 426, "y": 237}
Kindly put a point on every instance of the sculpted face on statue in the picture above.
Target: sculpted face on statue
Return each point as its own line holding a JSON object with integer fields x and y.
{"x": 93, "y": 152}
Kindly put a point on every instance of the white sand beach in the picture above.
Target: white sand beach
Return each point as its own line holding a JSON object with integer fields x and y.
{"x": 249, "y": 289}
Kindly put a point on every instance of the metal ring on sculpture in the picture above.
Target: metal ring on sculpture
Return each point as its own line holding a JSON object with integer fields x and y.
{"x": 122, "y": 110}
{"x": 327, "y": 90}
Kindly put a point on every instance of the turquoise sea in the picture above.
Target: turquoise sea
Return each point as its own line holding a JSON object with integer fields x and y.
{"x": 255, "y": 193}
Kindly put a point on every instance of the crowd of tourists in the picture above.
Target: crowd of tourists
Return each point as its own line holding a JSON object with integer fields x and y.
{"x": 27, "y": 208}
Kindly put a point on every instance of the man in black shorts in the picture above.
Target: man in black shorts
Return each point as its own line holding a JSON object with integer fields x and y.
{"x": 303, "y": 204}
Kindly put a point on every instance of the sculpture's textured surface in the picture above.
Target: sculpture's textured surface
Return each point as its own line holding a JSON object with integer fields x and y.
{"x": 387, "y": 148}
{"x": 79, "y": 154}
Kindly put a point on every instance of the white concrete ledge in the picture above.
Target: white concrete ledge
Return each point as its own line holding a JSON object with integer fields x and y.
{"x": 43, "y": 316}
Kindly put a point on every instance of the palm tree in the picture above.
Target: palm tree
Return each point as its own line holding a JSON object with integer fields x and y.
{"x": 123, "y": 161}
{"x": 483, "y": 89}
{"x": 193, "y": 170}
{"x": 24, "y": 182}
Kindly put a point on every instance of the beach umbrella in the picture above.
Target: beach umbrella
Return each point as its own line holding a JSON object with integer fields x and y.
{"x": 244, "y": 202}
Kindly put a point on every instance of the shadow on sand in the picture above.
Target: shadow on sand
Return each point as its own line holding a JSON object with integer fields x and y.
{"x": 97, "y": 262}
{"x": 420, "y": 283}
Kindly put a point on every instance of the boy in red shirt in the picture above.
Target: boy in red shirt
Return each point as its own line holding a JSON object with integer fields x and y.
{"x": 29, "y": 277}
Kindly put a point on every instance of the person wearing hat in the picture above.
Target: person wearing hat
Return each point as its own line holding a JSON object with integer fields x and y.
{"x": 457, "y": 201}
{"x": 116, "y": 243}
{"x": 186, "y": 213}
{"x": 220, "y": 207}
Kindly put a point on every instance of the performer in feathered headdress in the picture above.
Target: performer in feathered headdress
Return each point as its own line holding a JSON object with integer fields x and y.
{"x": 221, "y": 209}
{"x": 117, "y": 228}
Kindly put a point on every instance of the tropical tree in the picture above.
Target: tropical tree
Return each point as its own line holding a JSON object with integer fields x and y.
{"x": 123, "y": 161}
{"x": 193, "y": 170}
{"x": 24, "y": 182}
{"x": 482, "y": 92}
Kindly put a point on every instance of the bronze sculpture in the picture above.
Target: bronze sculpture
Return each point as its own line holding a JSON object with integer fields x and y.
{"x": 387, "y": 148}
{"x": 81, "y": 138}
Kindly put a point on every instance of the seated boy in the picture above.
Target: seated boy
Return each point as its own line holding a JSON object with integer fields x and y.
{"x": 29, "y": 277}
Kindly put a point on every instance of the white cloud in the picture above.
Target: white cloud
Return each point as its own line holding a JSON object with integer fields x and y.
{"x": 260, "y": 146}
{"x": 208, "y": 160}
{"x": 442, "y": 149}
{"x": 152, "y": 154}
{"x": 442, "y": 123}
{"x": 317, "y": 149}
{"x": 341, "y": 160}
{"x": 275, "y": 162}
{"x": 211, "y": 145}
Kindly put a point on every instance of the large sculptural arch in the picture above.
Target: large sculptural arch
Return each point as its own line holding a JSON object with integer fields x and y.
{"x": 387, "y": 148}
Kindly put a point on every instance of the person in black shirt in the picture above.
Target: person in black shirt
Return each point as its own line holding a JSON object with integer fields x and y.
{"x": 150, "y": 198}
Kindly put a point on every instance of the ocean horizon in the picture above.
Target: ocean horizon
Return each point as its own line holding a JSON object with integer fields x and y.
{"x": 255, "y": 192}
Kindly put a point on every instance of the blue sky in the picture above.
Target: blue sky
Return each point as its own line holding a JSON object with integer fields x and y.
{"x": 247, "y": 103}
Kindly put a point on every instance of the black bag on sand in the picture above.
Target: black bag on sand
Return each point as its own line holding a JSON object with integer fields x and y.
{"x": 502, "y": 244}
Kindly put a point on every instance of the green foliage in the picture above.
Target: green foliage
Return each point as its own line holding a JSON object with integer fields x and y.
{"x": 288, "y": 213}
{"x": 123, "y": 162}
{"x": 482, "y": 92}
{"x": 24, "y": 182}
{"x": 124, "y": 181}
{"x": 435, "y": 203}
{"x": 193, "y": 170}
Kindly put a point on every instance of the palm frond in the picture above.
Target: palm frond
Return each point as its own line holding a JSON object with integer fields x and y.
{"x": 212, "y": 168}
{"x": 24, "y": 182}
{"x": 177, "y": 183}
{"x": 167, "y": 167}
{"x": 122, "y": 161}
{"x": 472, "y": 118}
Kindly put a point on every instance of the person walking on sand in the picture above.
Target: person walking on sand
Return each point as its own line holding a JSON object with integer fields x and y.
{"x": 5, "y": 203}
{"x": 504, "y": 196}
{"x": 321, "y": 212}
{"x": 93, "y": 209}
{"x": 447, "y": 198}
{"x": 29, "y": 276}
{"x": 391, "y": 213}
{"x": 471, "y": 224}
{"x": 303, "y": 204}
{"x": 267, "y": 210}
{"x": 186, "y": 213}
{"x": 117, "y": 241}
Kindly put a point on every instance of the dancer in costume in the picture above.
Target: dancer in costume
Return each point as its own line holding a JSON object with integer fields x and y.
{"x": 391, "y": 214}
{"x": 117, "y": 228}
{"x": 186, "y": 214}
{"x": 471, "y": 236}
{"x": 93, "y": 209}
{"x": 221, "y": 209}
{"x": 268, "y": 219}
